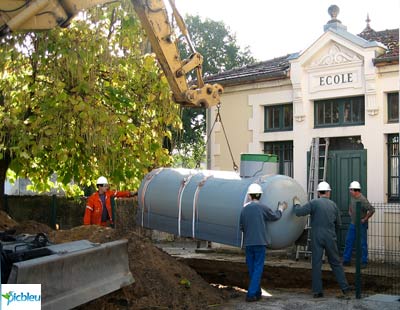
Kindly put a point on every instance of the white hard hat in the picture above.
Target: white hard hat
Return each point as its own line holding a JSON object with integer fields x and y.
{"x": 254, "y": 189}
{"x": 101, "y": 180}
{"x": 355, "y": 185}
{"x": 323, "y": 187}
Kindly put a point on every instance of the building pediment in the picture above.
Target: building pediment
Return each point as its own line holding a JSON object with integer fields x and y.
{"x": 331, "y": 63}
{"x": 333, "y": 67}
{"x": 335, "y": 54}
{"x": 336, "y": 48}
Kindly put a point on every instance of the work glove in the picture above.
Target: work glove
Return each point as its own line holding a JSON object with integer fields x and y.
{"x": 282, "y": 206}
{"x": 296, "y": 201}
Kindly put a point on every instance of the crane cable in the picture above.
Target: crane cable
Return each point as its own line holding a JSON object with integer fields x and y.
{"x": 219, "y": 119}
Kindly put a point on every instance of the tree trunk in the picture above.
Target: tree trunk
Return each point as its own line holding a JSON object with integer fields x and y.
{"x": 4, "y": 164}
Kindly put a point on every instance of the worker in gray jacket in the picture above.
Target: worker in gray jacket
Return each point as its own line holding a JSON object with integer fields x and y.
{"x": 253, "y": 223}
{"x": 367, "y": 210}
{"x": 325, "y": 219}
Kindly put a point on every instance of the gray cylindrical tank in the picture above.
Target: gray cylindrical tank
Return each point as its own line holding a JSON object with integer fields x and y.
{"x": 206, "y": 204}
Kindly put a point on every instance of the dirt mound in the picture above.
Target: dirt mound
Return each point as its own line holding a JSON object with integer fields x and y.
{"x": 31, "y": 227}
{"x": 161, "y": 282}
{"x": 92, "y": 233}
{"x": 6, "y": 222}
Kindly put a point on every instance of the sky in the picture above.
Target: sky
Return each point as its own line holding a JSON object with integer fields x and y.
{"x": 275, "y": 28}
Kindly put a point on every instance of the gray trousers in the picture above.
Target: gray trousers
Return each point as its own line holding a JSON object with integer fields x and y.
{"x": 331, "y": 251}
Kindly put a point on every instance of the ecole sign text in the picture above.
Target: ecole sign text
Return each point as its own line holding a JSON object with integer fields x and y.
{"x": 342, "y": 78}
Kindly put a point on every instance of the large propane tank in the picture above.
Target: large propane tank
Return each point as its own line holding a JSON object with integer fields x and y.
{"x": 206, "y": 204}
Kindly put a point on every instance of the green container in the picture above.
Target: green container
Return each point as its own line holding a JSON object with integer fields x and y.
{"x": 259, "y": 157}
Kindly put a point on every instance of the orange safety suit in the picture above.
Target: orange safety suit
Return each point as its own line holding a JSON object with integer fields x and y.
{"x": 94, "y": 207}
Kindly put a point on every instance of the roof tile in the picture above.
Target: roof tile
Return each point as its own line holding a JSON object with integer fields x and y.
{"x": 390, "y": 38}
{"x": 265, "y": 70}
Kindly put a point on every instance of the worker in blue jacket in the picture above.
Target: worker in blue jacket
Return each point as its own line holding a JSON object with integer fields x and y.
{"x": 253, "y": 223}
{"x": 325, "y": 220}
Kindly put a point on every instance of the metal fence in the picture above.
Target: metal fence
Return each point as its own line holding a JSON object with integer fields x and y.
{"x": 383, "y": 250}
{"x": 54, "y": 211}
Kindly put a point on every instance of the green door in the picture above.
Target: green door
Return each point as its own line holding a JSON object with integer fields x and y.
{"x": 343, "y": 168}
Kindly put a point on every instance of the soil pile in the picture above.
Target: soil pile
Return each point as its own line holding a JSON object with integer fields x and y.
{"x": 6, "y": 222}
{"x": 31, "y": 227}
{"x": 161, "y": 282}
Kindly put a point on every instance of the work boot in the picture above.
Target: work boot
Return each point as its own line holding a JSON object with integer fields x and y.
{"x": 346, "y": 293}
{"x": 251, "y": 299}
{"x": 318, "y": 295}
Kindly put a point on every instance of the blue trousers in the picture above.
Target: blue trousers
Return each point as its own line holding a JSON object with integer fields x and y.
{"x": 350, "y": 239}
{"x": 255, "y": 257}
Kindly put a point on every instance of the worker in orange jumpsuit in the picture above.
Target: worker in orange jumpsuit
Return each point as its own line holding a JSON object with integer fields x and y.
{"x": 98, "y": 206}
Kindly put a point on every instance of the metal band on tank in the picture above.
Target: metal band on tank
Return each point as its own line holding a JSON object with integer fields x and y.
{"x": 149, "y": 178}
{"x": 195, "y": 197}
{"x": 184, "y": 182}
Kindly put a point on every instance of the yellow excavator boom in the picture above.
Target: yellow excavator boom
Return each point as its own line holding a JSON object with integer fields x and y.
{"x": 36, "y": 15}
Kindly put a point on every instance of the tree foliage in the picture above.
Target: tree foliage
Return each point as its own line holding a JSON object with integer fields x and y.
{"x": 215, "y": 41}
{"x": 82, "y": 102}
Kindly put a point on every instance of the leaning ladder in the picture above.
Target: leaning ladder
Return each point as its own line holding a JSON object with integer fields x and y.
{"x": 316, "y": 174}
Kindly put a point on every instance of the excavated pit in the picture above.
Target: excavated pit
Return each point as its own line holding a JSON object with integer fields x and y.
{"x": 228, "y": 267}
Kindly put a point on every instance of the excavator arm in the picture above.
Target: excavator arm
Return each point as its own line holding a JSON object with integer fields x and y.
{"x": 154, "y": 19}
{"x": 36, "y": 15}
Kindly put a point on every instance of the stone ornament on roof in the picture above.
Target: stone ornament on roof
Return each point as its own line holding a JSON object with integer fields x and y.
{"x": 333, "y": 11}
{"x": 368, "y": 20}
{"x": 334, "y": 23}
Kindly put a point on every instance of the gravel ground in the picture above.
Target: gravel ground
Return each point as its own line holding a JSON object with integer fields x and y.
{"x": 285, "y": 300}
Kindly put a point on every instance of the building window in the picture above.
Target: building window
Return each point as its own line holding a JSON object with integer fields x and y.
{"x": 284, "y": 151}
{"x": 339, "y": 112}
{"x": 393, "y": 107}
{"x": 393, "y": 166}
{"x": 278, "y": 117}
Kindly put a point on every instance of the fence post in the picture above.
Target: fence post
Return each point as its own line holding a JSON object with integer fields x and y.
{"x": 113, "y": 211}
{"x": 358, "y": 250}
{"x": 5, "y": 205}
{"x": 53, "y": 211}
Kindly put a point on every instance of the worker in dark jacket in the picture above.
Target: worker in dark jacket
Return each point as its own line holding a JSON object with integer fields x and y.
{"x": 253, "y": 223}
{"x": 325, "y": 220}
